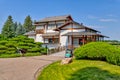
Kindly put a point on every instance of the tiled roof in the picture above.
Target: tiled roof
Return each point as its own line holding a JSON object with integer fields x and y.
{"x": 30, "y": 33}
{"x": 83, "y": 33}
{"x": 51, "y": 34}
{"x": 55, "y": 18}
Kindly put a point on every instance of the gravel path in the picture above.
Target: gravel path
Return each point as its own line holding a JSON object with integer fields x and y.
{"x": 25, "y": 68}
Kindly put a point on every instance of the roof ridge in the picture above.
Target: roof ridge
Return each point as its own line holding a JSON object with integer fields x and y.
{"x": 57, "y": 16}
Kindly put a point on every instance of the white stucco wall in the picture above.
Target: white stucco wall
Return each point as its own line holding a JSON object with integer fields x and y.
{"x": 78, "y": 30}
{"x": 67, "y": 27}
{"x": 33, "y": 37}
{"x": 74, "y": 30}
{"x": 49, "y": 31}
{"x": 64, "y": 40}
{"x": 39, "y": 38}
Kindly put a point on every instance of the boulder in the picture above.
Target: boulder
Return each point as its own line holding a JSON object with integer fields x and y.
{"x": 66, "y": 61}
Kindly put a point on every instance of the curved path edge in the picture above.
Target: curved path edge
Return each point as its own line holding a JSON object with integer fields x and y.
{"x": 26, "y": 68}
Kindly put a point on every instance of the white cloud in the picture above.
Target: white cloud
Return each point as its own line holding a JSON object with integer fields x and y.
{"x": 111, "y": 15}
{"x": 108, "y": 20}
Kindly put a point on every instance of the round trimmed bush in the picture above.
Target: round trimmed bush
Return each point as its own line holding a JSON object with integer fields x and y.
{"x": 98, "y": 51}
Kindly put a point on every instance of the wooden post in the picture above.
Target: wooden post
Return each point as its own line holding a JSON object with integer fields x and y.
{"x": 59, "y": 37}
{"x": 53, "y": 39}
{"x": 72, "y": 42}
{"x": 83, "y": 40}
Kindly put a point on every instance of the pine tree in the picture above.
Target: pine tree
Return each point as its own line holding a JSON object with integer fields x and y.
{"x": 7, "y": 30}
{"x": 13, "y": 29}
{"x": 15, "y": 26}
{"x": 28, "y": 24}
{"x": 20, "y": 29}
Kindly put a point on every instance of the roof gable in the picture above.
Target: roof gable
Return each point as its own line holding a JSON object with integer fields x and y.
{"x": 80, "y": 26}
{"x": 72, "y": 23}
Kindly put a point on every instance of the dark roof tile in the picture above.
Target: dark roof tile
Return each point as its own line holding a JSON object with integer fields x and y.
{"x": 54, "y": 18}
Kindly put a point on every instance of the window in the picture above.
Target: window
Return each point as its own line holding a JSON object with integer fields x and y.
{"x": 51, "y": 40}
{"x": 46, "y": 40}
{"x": 39, "y": 27}
{"x": 56, "y": 40}
{"x": 59, "y": 24}
{"x": 76, "y": 41}
{"x": 51, "y": 26}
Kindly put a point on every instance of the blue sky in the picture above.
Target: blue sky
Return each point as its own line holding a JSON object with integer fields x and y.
{"x": 103, "y": 15}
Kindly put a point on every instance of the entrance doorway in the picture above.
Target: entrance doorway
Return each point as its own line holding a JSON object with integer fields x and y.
{"x": 77, "y": 42}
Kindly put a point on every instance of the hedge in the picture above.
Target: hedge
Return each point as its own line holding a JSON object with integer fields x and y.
{"x": 98, "y": 51}
{"x": 11, "y": 46}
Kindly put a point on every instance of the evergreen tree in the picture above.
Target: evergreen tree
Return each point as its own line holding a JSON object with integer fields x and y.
{"x": 15, "y": 26}
{"x": 7, "y": 30}
{"x": 13, "y": 29}
{"x": 28, "y": 24}
{"x": 20, "y": 29}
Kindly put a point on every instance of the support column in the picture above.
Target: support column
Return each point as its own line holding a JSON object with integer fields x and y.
{"x": 98, "y": 38}
{"x": 59, "y": 38}
{"x": 83, "y": 39}
{"x": 92, "y": 38}
{"x": 53, "y": 39}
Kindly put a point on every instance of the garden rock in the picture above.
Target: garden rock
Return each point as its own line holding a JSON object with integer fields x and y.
{"x": 66, "y": 61}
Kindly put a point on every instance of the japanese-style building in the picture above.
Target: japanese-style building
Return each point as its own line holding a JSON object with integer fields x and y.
{"x": 63, "y": 31}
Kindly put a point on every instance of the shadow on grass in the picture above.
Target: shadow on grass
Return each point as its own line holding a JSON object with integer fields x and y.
{"x": 93, "y": 73}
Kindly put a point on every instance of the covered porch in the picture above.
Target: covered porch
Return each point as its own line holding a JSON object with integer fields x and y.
{"x": 51, "y": 39}
{"x": 76, "y": 39}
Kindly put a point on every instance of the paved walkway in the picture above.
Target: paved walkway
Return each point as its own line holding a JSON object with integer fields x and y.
{"x": 25, "y": 68}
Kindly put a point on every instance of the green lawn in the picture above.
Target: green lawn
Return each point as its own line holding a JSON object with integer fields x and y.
{"x": 81, "y": 70}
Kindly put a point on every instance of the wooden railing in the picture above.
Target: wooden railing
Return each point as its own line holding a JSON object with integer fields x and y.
{"x": 54, "y": 50}
{"x": 40, "y": 31}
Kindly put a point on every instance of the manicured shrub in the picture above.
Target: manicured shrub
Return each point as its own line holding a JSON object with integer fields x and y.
{"x": 11, "y": 49}
{"x": 3, "y": 47}
{"x": 39, "y": 44}
{"x": 32, "y": 54}
{"x": 22, "y": 44}
{"x": 13, "y": 45}
{"x": 24, "y": 47}
{"x": 28, "y": 40}
{"x": 99, "y": 51}
{"x": 3, "y": 42}
{"x": 10, "y": 52}
{"x": 9, "y": 55}
{"x": 14, "y": 39}
{"x": 43, "y": 51}
{"x": 31, "y": 44}
{"x": 2, "y": 52}
{"x": 114, "y": 59}
{"x": 10, "y": 45}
